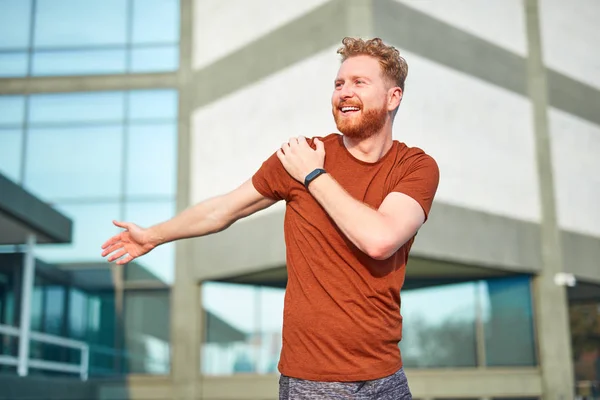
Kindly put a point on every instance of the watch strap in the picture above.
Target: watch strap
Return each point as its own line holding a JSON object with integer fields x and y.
{"x": 313, "y": 175}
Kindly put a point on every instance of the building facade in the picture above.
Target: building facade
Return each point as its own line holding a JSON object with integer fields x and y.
{"x": 136, "y": 109}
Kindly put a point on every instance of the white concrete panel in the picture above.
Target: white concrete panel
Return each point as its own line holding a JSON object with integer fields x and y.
{"x": 576, "y": 155}
{"x": 223, "y": 26}
{"x": 571, "y": 38}
{"x": 501, "y": 22}
{"x": 234, "y": 135}
{"x": 480, "y": 134}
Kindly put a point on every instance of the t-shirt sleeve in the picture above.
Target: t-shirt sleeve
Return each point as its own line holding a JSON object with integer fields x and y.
{"x": 272, "y": 180}
{"x": 420, "y": 181}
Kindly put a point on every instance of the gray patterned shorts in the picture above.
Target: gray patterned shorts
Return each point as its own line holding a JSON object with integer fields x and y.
{"x": 393, "y": 387}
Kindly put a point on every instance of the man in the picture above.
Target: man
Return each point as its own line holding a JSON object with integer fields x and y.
{"x": 354, "y": 205}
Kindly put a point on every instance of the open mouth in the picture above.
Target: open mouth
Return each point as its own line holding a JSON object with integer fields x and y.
{"x": 349, "y": 109}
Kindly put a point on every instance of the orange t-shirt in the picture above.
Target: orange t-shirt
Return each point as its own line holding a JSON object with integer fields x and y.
{"x": 341, "y": 319}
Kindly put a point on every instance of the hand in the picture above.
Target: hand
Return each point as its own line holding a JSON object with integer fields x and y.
{"x": 133, "y": 242}
{"x": 299, "y": 159}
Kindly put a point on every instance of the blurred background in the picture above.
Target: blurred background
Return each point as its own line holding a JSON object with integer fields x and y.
{"x": 136, "y": 109}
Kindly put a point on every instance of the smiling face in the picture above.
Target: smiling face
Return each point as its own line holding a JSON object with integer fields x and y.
{"x": 363, "y": 100}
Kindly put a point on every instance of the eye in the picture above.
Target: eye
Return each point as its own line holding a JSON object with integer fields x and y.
{"x": 359, "y": 81}
{"x": 338, "y": 85}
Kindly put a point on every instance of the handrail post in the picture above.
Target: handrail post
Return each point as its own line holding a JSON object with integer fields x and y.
{"x": 27, "y": 288}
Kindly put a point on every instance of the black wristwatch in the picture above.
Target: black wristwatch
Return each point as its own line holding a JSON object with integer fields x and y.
{"x": 313, "y": 175}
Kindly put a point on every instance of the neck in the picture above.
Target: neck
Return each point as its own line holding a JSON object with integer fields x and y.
{"x": 373, "y": 148}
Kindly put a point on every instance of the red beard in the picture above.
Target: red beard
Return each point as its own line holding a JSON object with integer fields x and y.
{"x": 361, "y": 126}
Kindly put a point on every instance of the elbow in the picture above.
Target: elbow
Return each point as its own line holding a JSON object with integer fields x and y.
{"x": 381, "y": 250}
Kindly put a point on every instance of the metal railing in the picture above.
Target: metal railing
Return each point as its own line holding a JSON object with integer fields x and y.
{"x": 81, "y": 369}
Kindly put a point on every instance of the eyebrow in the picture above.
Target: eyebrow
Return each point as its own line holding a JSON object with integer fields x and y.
{"x": 353, "y": 78}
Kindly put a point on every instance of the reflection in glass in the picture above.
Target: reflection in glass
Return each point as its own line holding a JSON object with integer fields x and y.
{"x": 81, "y": 62}
{"x": 74, "y": 162}
{"x": 54, "y": 309}
{"x": 155, "y": 59}
{"x": 80, "y": 23}
{"x": 242, "y": 328}
{"x": 584, "y": 321}
{"x": 92, "y": 226}
{"x": 147, "y": 339}
{"x": 152, "y": 104}
{"x": 160, "y": 262}
{"x": 10, "y": 153}
{"x": 508, "y": 322}
{"x": 146, "y": 13}
{"x": 12, "y": 111}
{"x": 65, "y": 108}
{"x": 77, "y": 315}
{"x": 14, "y": 24}
{"x": 439, "y": 326}
{"x": 151, "y": 160}
{"x": 13, "y": 65}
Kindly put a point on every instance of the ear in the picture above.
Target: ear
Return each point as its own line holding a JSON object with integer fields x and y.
{"x": 394, "y": 98}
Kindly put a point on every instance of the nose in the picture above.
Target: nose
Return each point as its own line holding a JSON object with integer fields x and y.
{"x": 346, "y": 91}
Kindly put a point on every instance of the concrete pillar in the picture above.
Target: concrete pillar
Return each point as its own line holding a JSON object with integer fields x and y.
{"x": 359, "y": 19}
{"x": 185, "y": 302}
{"x": 551, "y": 304}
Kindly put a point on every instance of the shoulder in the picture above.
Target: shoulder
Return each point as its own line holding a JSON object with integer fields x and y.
{"x": 412, "y": 154}
{"x": 330, "y": 140}
{"x": 411, "y": 158}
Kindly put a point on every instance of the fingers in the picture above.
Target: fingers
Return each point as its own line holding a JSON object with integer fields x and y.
{"x": 117, "y": 255}
{"x": 111, "y": 241}
{"x": 320, "y": 146}
{"x": 112, "y": 248}
{"x": 123, "y": 225}
{"x": 125, "y": 259}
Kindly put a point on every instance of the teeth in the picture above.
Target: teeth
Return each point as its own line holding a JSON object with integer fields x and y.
{"x": 344, "y": 109}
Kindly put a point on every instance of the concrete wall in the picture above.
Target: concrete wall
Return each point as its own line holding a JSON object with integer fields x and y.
{"x": 479, "y": 133}
{"x": 214, "y": 20}
{"x": 498, "y": 22}
{"x": 570, "y": 38}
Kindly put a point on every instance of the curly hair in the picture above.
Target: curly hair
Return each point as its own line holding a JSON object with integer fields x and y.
{"x": 393, "y": 65}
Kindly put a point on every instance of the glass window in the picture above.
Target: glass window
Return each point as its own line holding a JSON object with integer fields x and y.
{"x": 54, "y": 317}
{"x": 12, "y": 110}
{"x": 242, "y": 328}
{"x": 13, "y": 65}
{"x": 270, "y": 312}
{"x": 146, "y": 13}
{"x": 584, "y": 318}
{"x": 76, "y": 107}
{"x": 70, "y": 162}
{"x": 439, "y": 326}
{"x": 15, "y": 24}
{"x": 160, "y": 262}
{"x": 155, "y": 59}
{"x": 508, "y": 322}
{"x": 83, "y": 62}
{"x": 77, "y": 314}
{"x": 10, "y": 153}
{"x": 152, "y": 104}
{"x": 147, "y": 339}
{"x": 68, "y": 23}
{"x": 152, "y": 160}
{"x": 92, "y": 226}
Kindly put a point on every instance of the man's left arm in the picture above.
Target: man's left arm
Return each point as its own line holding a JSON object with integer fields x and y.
{"x": 379, "y": 233}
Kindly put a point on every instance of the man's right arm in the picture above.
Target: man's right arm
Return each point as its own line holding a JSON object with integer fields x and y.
{"x": 210, "y": 216}
{"x": 213, "y": 215}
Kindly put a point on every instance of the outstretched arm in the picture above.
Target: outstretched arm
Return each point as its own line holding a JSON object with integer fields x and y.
{"x": 210, "y": 216}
